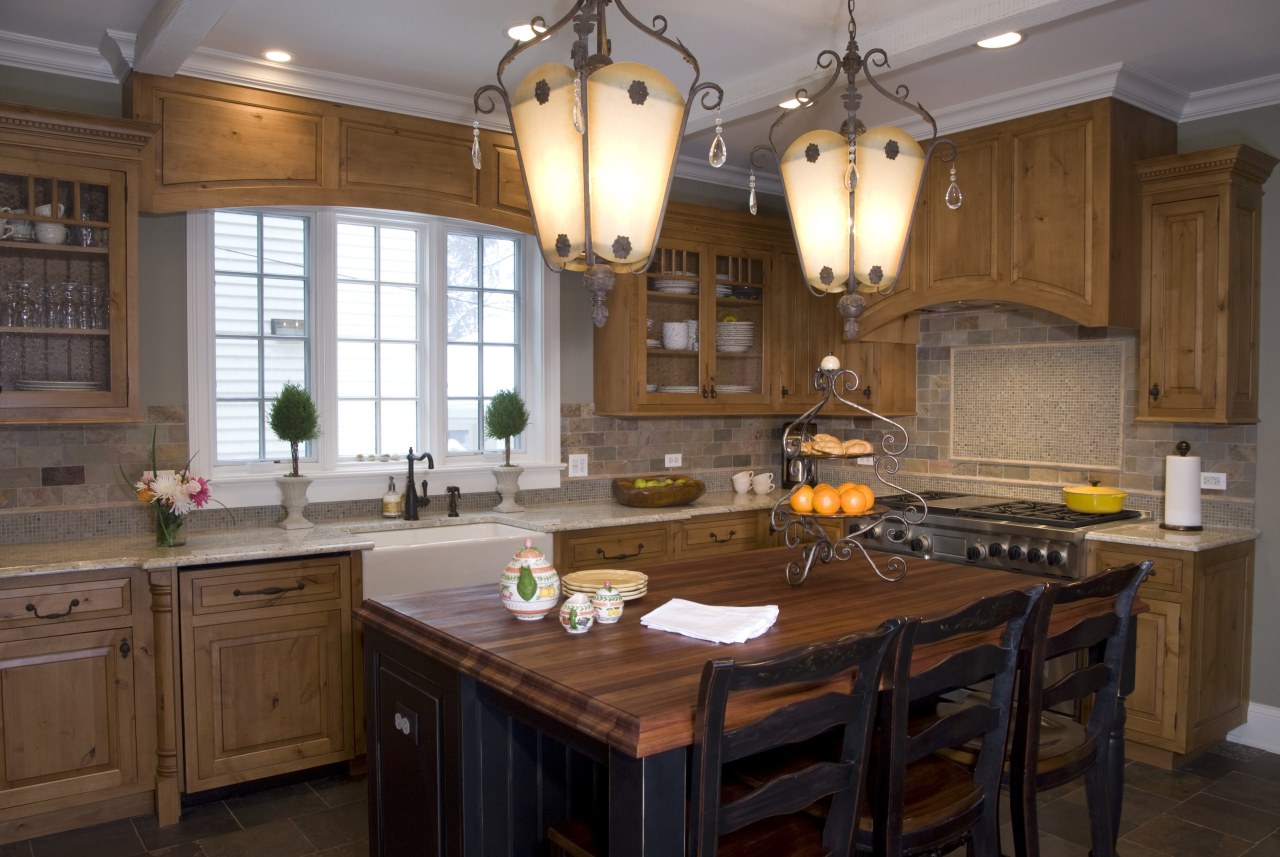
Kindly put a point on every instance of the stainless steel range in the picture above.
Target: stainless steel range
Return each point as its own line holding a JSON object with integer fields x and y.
{"x": 993, "y": 532}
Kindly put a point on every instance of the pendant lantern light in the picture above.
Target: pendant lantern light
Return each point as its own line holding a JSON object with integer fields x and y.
{"x": 597, "y": 144}
{"x": 852, "y": 194}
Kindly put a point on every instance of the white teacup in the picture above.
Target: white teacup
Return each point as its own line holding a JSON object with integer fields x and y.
{"x": 675, "y": 335}
{"x": 742, "y": 483}
{"x": 6, "y": 231}
{"x": 762, "y": 483}
{"x": 47, "y": 210}
{"x": 51, "y": 233}
{"x": 23, "y": 230}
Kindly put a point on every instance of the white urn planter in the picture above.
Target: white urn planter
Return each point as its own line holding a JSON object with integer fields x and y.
{"x": 508, "y": 479}
{"x": 293, "y": 495}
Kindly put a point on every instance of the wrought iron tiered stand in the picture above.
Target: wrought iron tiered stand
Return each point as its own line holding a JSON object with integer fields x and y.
{"x": 806, "y": 529}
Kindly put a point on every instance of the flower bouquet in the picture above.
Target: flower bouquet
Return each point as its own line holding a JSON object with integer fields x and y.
{"x": 174, "y": 493}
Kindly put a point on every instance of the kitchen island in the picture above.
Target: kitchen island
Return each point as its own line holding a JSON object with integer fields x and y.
{"x": 483, "y": 730}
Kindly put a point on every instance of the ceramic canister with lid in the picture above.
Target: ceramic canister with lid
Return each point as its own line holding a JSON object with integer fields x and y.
{"x": 577, "y": 614}
{"x": 607, "y": 601}
{"x": 529, "y": 586}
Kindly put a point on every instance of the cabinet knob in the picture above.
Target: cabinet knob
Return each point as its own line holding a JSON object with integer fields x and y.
{"x": 1154, "y": 392}
{"x": 705, "y": 394}
{"x": 713, "y": 391}
{"x": 785, "y": 392}
{"x": 867, "y": 391}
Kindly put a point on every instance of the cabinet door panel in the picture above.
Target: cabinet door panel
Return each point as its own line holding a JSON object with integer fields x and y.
{"x": 963, "y": 245}
{"x": 67, "y": 716}
{"x": 1152, "y": 706}
{"x": 408, "y": 727}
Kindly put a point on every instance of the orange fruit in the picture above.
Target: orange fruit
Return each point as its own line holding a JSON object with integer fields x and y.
{"x": 826, "y": 500}
{"x": 869, "y": 494}
{"x": 802, "y": 500}
{"x": 845, "y": 486}
{"x": 853, "y": 501}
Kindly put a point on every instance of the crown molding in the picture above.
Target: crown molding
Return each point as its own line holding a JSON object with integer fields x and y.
{"x": 54, "y": 57}
{"x": 1249, "y": 95}
{"x": 697, "y": 169}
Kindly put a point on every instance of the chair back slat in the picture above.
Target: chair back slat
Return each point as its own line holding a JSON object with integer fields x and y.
{"x": 1076, "y": 685}
{"x": 954, "y": 671}
{"x": 840, "y": 777}
{"x": 971, "y": 721}
{"x": 1082, "y": 635}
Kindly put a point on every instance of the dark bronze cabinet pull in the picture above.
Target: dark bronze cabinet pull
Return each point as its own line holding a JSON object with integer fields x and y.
{"x": 1154, "y": 392}
{"x": 272, "y": 590}
{"x": 721, "y": 541}
{"x": 867, "y": 392}
{"x": 705, "y": 394}
{"x": 125, "y": 648}
{"x": 785, "y": 392}
{"x": 639, "y": 550}
{"x": 75, "y": 602}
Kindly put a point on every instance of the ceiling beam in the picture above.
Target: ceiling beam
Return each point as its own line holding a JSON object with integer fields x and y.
{"x": 173, "y": 31}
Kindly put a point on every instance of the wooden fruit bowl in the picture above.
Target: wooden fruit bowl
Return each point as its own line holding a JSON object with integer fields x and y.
{"x": 672, "y": 494}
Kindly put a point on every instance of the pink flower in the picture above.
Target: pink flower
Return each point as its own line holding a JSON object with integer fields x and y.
{"x": 198, "y": 490}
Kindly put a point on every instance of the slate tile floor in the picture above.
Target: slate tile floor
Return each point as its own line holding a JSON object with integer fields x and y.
{"x": 1224, "y": 804}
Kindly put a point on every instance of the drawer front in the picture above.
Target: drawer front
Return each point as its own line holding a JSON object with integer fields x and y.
{"x": 719, "y": 535}
{"x": 276, "y": 585}
{"x": 1165, "y": 575}
{"x": 606, "y": 548}
{"x": 65, "y": 602}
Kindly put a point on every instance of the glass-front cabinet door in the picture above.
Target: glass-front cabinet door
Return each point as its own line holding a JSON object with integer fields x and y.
{"x": 737, "y": 326}
{"x": 672, "y": 298}
{"x": 63, "y": 295}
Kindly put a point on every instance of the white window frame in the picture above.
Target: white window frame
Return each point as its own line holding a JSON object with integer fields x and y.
{"x": 253, "y": 484}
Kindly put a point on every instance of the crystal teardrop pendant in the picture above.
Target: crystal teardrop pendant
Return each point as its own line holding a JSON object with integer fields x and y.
{"x": 475, "y": 145}
{"x": 751, "y": 200}
{"x": 851, "y": 172}
{"x": 719, "y": 151}
{"x": 578, "y": 124}
{"x": 954, "y": 197}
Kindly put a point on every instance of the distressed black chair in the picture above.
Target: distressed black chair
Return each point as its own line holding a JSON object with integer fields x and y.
{"x": 922, "y": 802}
{"x": 727, "y": 817}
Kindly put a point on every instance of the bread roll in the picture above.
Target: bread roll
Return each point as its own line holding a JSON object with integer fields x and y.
{"x": 857, "y": 446}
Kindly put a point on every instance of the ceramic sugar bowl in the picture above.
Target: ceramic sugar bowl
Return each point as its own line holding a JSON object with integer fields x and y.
{"x": 529, "y": 586}
{"x": 577, "y": 614}
{"x": 608, "y": 604}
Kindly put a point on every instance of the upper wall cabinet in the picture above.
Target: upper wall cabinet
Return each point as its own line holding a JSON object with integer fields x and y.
{"x": 1050, "y": 213}
{"x": 1201, "y": 256}
{"x": 68, "y": 267}
{"x": 224, "y": 145}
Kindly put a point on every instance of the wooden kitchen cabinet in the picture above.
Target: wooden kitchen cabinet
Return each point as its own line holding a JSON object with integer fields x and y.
{"x": 76, "y": 701}
{"x": 68, "y": 268}
{"x": 1191, "y": 676}
{"x": 1051, "y": 209}
{"x": 266, "y": 669}
{"x": 640, "y": 545}
{"x": 1201, "y": 261}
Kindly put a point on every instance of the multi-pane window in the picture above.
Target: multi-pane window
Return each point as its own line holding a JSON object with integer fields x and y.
{"x": 262, "y": 276}
{"x": 380, "y": 354}
{"x": 483, "y": 332}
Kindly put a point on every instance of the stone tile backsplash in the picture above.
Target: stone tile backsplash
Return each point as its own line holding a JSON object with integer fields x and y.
{"x": 66, "y": 482}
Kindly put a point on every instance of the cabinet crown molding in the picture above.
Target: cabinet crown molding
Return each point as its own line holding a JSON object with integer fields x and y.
{"x": 1242, "y": 161}
{"x": 72, "y": 130}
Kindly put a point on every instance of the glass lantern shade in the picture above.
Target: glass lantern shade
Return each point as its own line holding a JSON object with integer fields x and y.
{"x": 635, "y": 115}
{"x": 551, "y": 156}
{"x": 813, "y": 172}
{"x": 890, "y": 165}
{"x": 634, "y": 119}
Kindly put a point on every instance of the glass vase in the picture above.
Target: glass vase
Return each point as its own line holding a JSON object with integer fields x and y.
{"x": 169, "y": 532}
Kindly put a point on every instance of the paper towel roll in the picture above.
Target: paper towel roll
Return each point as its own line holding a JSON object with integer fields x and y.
{"x": 1182, "y": 491}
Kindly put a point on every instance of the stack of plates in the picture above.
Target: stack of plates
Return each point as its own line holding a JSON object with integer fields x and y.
{"x": 735, "y": 336}
{"x": 734, "y": 388}
{"x": 52, "y": 386}
{"x": 723, "y": 290}
{"x": 653, "y": 343}
{"x": 675, "y": 287}
{"x": 678, "y": 388}
{"x": 632, "y": 584}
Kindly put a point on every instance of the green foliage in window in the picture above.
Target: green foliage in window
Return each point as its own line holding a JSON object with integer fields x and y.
{"x": 294, "y": 419}
{"x": 505, "y": 418}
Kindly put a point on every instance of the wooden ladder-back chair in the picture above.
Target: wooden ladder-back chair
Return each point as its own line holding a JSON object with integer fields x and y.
{"x": 1079, "y": 750}
{"x": 921, "y": 802}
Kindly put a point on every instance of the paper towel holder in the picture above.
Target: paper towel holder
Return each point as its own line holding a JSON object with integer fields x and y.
{"x": 1182, "y": 448}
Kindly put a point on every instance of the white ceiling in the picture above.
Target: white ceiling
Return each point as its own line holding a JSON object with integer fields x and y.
{"x": 1183, "y": 59}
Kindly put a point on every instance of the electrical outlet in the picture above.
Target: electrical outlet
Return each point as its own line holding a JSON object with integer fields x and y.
{"x": 1214, "y": 481}
{"x": 578, "y": 465}
{"x": 866, "y": 459}
{"x": 674, "y": 459}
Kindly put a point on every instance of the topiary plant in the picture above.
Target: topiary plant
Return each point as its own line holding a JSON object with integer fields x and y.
{"x": 294, "y": 419}
{"x": 505, "y": 418}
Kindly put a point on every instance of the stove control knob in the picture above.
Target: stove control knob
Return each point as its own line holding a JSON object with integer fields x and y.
{"x": 1035, "y": 555}
{"x": 920, "y": 544}
{"x": 1015, "y": 552}
{"x": 995, "y": 549}
{"x": 897, "y": 535}
{"x": 872, "y": 533}
{"x": 1057, "y": 557}
{"x": 977, "y": 553}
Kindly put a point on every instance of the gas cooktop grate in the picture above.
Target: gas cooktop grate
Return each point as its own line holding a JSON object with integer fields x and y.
{"x": 1032, "y": 512}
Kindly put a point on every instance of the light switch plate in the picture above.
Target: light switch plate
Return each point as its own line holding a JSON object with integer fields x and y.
{"x": 674, "y": 459}
{"x": 1214, "y": 481}
{"x": 578, "y": 464}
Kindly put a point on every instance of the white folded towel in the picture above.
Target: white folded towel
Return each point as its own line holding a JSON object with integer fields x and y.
{"x": 708, "y": 622}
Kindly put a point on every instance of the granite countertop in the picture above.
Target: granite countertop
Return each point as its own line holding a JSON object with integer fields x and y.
{"x": 206, "y": 547}
{"x": 1148, "y": 534}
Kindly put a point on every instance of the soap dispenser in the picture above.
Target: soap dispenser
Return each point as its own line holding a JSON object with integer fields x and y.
{"x": 391, "y": 500}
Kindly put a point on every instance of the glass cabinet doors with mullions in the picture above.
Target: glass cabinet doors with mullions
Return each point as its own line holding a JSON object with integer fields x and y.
{"x": 62, "y": 293}
{"x": 705, "y": 325}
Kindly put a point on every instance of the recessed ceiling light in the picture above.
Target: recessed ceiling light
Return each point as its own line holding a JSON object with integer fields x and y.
{"x": 277, "y": 56}
{"x": 524, "y": 32}
{"x": 1002, "y": 41}
{"x": 790, "y": 104}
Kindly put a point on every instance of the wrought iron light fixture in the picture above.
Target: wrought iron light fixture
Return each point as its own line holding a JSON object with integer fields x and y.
{"x": 851, "y": 194}
{"x": 597, "y": 145}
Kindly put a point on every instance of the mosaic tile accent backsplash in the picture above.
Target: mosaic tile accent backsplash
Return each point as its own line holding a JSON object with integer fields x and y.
{"x": 1043, "y": 404}
{"x": 66, "y": 482}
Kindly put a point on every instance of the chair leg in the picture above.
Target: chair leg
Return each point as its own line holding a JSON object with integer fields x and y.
{"x": 984, "y": 838}
{"x": 1098, "y": 798}
{"x": 1024, "y": 816}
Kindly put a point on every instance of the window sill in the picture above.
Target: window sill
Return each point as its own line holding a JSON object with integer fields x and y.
{"x": 369, "y": 482}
